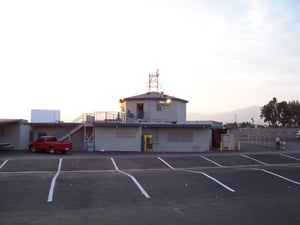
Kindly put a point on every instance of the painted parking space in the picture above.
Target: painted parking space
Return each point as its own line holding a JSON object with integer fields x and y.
{"x": 26, "y": 165}
{"x": 232, "y": 160}
{"x": 22, "y": 192}
{"x": 172, "y": 185}
{"x": 188, "y": 161}
{"x": 186, "y": 192}
{"x": 289, "y": 172}
{"x": 255, "y": 181}
{"x": 195, "y": 172}
{"x": 76, "y": 191}
{"x": 128, "y": 163}
{"x": 272, "y": 159}
{"x": 294, "y": 156}
{"x": 86, "y": 164}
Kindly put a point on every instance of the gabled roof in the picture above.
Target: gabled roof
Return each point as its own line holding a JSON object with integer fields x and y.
{"x": 153, "y": 96}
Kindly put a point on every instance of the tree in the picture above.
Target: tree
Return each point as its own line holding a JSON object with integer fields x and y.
{"x": 284, "y": 113}
{"x": 281, "y": 113}
{"x": 269, "y": 112}
{"x": 295, "y": 115}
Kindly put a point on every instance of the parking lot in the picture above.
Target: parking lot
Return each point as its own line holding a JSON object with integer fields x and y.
{"x": 136, "y": 188}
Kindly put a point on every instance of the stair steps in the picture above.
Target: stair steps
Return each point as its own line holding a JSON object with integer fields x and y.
{"x": 62, "y": 138}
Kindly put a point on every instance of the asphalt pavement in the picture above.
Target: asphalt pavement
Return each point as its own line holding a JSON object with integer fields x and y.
{"x": 257, "y": 185}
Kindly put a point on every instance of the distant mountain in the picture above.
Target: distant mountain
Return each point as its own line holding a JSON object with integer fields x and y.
{"x": 241, "y": 115}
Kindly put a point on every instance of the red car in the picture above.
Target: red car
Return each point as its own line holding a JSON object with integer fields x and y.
{"x": 50, "y": 144}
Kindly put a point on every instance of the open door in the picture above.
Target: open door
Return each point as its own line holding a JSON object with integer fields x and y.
{"x": 148, "y": 143}
{"x": 140, "y": 110}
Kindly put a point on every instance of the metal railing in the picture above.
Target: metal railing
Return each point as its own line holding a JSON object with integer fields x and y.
{"x": 98, "y": 116}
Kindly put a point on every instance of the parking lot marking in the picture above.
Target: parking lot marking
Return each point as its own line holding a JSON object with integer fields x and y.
{"x": 3, "y": 164}
{"x": 256, "y": 160}
{"x": 291, "y": 157}
{"x": 131, "y": 177}
{"x": 217, "y": 164}
{"x": 204, "y": 174}
{"x": 167, "y": 164}
{"x": 212, "y": 178}
{"x": 282, "y": 177}
{"x": 51, "y": 191}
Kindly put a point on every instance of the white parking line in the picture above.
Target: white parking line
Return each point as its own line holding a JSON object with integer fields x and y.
{"x": 51, "y": 191}
{"x": 132, "y": 178}
{"x": 282, "y": 177}
{"x": 167, "y": 164}
{"x": 217, "y": 164}
{"x": 291, "y": 157}
{"x": 248, "y": 157}
{"x": 204, "y": 174}
{"x": 3, "y": 164}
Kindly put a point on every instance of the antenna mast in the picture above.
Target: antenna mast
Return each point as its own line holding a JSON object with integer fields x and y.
{"x": 153, "y": 81}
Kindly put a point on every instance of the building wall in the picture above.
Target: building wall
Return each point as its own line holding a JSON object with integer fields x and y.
{"x": 180, "y": 139}
{"x": 117, "y": 139}
{"x": 11, "y": 133}
{"x": 16, "y": 134}
{"x": 45, "y": 130}
{"x": 174, "y": 112}
{"x": 181, "y": 112}
{"x": 24, "y": 137}
{"x": 77, "y": 140}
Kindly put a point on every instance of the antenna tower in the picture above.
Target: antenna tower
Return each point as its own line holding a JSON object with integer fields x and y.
{"x": 153, "y": 82}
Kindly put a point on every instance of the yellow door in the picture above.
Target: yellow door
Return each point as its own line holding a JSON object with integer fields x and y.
{"x": 148, "y": 142}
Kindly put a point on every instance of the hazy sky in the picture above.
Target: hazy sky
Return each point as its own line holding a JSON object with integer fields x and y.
{"x": 83, "y": 56}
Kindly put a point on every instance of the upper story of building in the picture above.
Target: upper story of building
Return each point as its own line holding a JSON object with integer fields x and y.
{"x": 153, "y": 107}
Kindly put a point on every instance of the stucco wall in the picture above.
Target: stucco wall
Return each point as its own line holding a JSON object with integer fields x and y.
{"x": 180, "y": 139}
{"x": 164, "y": 139}
{"x": 47, "y": 130}
{"x": 175, "y": 112}
{"x": 77, "y": 140}
{"x": 24, "y": 137}
{"x": 11, "y": 133}
{"x": 117, "y": 139}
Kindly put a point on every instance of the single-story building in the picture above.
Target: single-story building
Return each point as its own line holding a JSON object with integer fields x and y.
{"x": 14, "y": 134}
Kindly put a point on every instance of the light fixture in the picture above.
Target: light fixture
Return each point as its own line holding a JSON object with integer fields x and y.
{"x": 168, "y": 101}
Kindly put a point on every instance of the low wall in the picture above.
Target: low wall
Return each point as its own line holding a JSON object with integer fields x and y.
{"x": 264, "y": 136}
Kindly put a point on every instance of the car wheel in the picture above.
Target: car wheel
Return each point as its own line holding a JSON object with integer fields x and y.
{"x": 52, "y": 150}
{"x": 32, "y": 149}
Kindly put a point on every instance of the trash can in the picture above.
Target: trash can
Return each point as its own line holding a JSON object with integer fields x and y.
{"x": 283, "y": 145}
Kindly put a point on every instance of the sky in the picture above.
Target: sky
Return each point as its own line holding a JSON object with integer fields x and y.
{"x": 83, "y": 56}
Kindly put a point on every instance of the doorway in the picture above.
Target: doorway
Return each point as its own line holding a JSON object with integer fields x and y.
{"x": 148, "y": 143}
{"x": 140, "y": 110}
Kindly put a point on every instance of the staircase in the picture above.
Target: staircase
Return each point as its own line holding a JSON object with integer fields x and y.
{"x": 6, "y": 145}
{"x": 62, "y": 138}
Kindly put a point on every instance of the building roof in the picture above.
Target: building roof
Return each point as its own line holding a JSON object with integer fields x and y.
{"x": 152, "y": 125}
{"x": 12, "y": 121}
{"x": 152, "y": 96}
